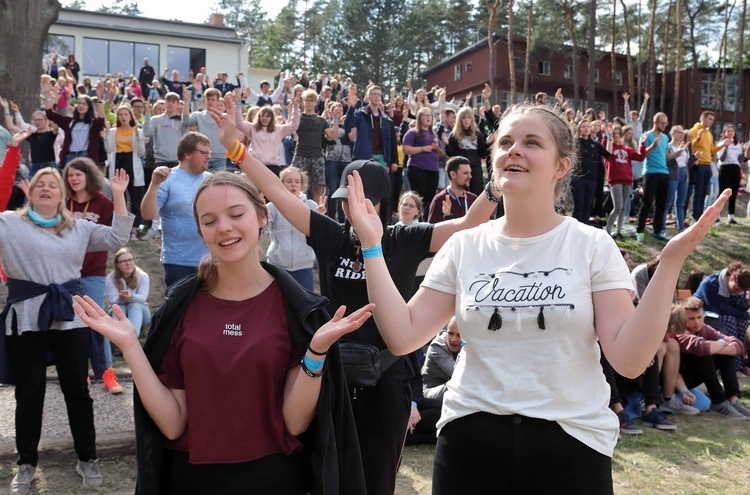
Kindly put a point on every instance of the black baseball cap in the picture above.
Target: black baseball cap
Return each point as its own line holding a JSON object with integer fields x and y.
{"x": 375, "y": 181}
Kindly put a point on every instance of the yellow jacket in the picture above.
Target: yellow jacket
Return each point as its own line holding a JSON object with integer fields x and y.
{"x": 704, "y": 144}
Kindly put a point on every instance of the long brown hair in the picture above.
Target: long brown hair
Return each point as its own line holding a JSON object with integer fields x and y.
{"x": 265, "y": 111}
{"x": 208, "y": 271}
{"x": 131, "y": 282}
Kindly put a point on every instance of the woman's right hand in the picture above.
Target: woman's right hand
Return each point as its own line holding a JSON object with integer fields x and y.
{"x": 365, "y": 219}
{"x": 225, "y": 121}
{"x": 119, "y": 331}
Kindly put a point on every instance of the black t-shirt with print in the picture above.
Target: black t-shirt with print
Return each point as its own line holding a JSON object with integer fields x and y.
{"x": 343, "y": 279}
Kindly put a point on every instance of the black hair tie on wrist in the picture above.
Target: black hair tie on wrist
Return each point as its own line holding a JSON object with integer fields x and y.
{"x": 316, "y": 353}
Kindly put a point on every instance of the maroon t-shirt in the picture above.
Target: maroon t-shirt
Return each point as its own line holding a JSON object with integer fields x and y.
{"x": 232, "y": 358}
{"x": 99, "y": 209}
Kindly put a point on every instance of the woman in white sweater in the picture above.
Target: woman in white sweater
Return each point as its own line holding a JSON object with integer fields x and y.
{"x": 128, "y": 287}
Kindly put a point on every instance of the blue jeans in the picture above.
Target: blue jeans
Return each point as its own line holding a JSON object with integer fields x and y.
{"x": 405, "y": 176}
{"x": 304, "y": 277}
{"x": 100, "y": 352}
{"x": 703, "y": 178}
{"x": 671, "y": 192}
{"x": 36, "y": 167}
{"x": 173, "y": 273}
{"x": 583, "y": 197}
{"x": 138, "y": 314}
{"x": 333, "y": 180}
{"x": 682, "y": 187}
{"x": 75, "y": 154}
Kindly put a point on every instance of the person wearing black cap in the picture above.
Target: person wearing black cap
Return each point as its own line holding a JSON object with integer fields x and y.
{"x": 381, "y": 411}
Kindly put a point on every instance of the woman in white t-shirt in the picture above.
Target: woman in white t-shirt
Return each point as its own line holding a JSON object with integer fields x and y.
{"x": 532, "y": 293}
{"x": 730, "y": 159}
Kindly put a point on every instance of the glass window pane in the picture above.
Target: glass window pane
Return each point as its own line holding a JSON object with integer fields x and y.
{"x": 61, "y": 44}
{"x": 197, "y": 60}
{"x": 95, "y": 56}
{"x": 178, "y": 58}
{"x": 121, "y": 58}
{"x": 151, "y": 52}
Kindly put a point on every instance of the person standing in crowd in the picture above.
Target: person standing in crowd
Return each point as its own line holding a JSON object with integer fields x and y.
{"x": 703, "y": 143}
{"x": 203, "y": 123}
{"x": 338, "y": 156}
{"x": 201, "y": 426}
{"x": 421, "y": 144}
{"x": 679, "y": 158}
{"x": 370, "y": 129}
{"x": 620, "y": 178}
{"x": 453, "y": 201}
{"x": 43, "y": 248}
{"x": 466, "y": 140}
{"x": 41, "y": 142}
{"x": 655, "y": 179}
{"x": 145, "y": 77}
{"x": 81, "y": 130}
{"x": 634, "y": 118}
{"x": 381, "y": 411}
{"x": 170, "y": 197}
{"x": 266, "y": 97}
{"x": 730, "y": 159}
{"x": 308, "y": 155}
{"x": 494, "y": 437}
{"x": 128, "y": 287}
{"x": 591, "y": 153}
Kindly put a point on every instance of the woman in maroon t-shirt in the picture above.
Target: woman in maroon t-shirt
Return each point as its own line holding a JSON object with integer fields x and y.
{"x": 231, "y": 395}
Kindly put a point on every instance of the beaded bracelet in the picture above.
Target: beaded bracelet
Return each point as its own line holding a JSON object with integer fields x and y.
{"x": 372, "y": 252}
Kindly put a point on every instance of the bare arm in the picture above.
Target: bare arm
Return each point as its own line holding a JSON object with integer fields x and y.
{"x": 149, "y": 206}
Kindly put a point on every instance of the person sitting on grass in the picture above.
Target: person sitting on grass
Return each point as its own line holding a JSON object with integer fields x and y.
{"x": 703, "y": 351}
{"x": 128, "y": 286}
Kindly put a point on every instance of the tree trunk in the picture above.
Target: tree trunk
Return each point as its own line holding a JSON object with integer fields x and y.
{"x": 631, "y": 74}
{"x": 568, "y": 9}
{"x": 664, "y": 64}
{"x": 492, "y": 7}
{"x": 24, "y": 25}
{"x": 694, "y": 87}
{"x": 739, "y": 100}
{"x": 591, "y": 86}
{"x": 678, "y": 62}
{"x": 614, "y": 61}
{"x": 640, "y": 59}
{"x": 511, "y": 55}
{"x": 528, "y": 51}
{"x": 652, "y": 57}
{"x": 721, "y": 83}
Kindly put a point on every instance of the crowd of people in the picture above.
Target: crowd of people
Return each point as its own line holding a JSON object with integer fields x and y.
{"x": 362, "y": 187}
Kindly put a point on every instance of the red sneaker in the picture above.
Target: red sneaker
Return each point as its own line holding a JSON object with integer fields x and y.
{"x": 110, "y": 382}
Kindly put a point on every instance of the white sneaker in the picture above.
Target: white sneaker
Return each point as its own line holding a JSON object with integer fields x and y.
{"x": 675, "y": 406}
{"x": 21, "y": 483}
{"x": 151, "y": 234}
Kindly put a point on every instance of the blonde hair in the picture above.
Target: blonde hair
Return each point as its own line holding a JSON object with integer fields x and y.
{"x": 418, "y": 122}
{"x": 458, "y": 129}
{"x": 677, "y": 320}
{"x": 208, "y": 271}
{"x": 291, "y": 169}
{"x": 67, "y": 217}
{"x": 417, "y": 201}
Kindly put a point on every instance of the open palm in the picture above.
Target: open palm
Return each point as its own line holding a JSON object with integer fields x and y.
{"x": 339, "y": 326}
{"x": 119, "y": 331}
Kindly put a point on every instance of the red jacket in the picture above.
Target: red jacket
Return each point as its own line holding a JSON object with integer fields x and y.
{"x": 619, "y": 168}
{"x": 8, "y": 174}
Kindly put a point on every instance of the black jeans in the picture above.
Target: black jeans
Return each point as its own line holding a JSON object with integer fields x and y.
{"x": 729, "y": 178}
{"x": 382, "y": 415}
{"x": 655, "y": 191}
{"x": 507, "y": 455}
{"x": 424, "y": 182}
{"x": 125, "y": 161}
{"x": 28, "y": 354}
{"x": 702, "y": 369}
{"x": 584, "y": 190}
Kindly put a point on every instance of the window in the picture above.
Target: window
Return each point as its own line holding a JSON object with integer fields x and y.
{"x": 184, "y": 59}
{"x": 468, "y": 67}
{"x": 112, "y": 56}
{"x": 709, "y": 93}
{"x": 600, "y": 106}
{"x": 618, "y": 78}
{"x": 719, "y": 126}
{"x": 568, "y": 72}
{"x": 596, "y": 75}
{"x": 457, "y": 72}
{"x": 519, "y": 64}
{"x": 61, "y": 44}
{"x": 544, "y": 68}
{"x": 505, "y": 98}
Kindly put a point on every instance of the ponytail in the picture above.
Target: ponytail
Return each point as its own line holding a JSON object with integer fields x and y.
{"x": 208, "y": 272}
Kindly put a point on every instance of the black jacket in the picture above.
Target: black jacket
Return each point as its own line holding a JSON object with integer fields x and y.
{"x": 331, "y": 448}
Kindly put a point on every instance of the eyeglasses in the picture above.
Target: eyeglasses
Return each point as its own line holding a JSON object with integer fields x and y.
{"x": 204, "y": 153}
{"x": 124, "y": 262}
{"x": 376, "y": 94}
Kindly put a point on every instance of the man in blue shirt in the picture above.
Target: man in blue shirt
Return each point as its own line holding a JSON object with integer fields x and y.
{"x": 655, "y": 179}
{"x": 170, "y": 196}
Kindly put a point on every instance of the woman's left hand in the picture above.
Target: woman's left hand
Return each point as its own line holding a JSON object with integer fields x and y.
{"x": 365, "y": 219}
{"x": 119, "y": 182}
{"x": 339, "y": 326}
{"x": 681, "y": 245}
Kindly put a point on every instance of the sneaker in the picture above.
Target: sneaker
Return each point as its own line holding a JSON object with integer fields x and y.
{"x": 21, "y": 483}
{"x": 89, "y": 471}
{"x": 639, "y": 237}
{"x": 741, "y": 408}
{"x": 133, "y": 236}
{"x": 661, "y": 236}
{"x": 619, "y": 237}
{"x": 150, "y": 234}
{"x": 732, "y": 221}
{"x": 728, "y": 411}
{"x": 627, "y": 427}
{"x": 657, "y": 419}
{"x": 110, "y": 382}
{"x": 675, "y": 406}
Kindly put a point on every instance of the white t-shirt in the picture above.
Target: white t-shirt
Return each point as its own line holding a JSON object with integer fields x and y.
{"x": 519, "y": 368}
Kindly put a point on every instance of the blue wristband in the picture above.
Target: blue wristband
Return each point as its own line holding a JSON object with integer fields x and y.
{"x": 414, "y": 405}
{"x": 372, "y": 252}
{"x": 312, "y": 364}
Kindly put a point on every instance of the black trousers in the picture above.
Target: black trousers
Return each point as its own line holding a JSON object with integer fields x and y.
{"x": 515, "y": 455}
{"x": 655, "y": 191}
{"x": 382, "y": 415}
{"x": 729, "y": 178}
{"x": 28, "y": 354}
{"x": 702, "y": 369}
{"x": 424, "y": 182}
{"x": 125, "y": 161}
{"x": 618, "y": 383}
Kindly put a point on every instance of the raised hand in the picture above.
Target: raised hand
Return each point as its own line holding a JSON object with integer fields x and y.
{"x": 119, "y": 331}
{"x": 20, "y": 137}
{"x": 626, "y": 96}
{"x": 119, "y": 182}
{"x": 322, "y": 205}
{"x": 487, "y": 91}
{"x": 447, "y": 205}
{"x": 339, "y": 326}
{"x": 160, "y": 174}
{"x": 225, "y": 121}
